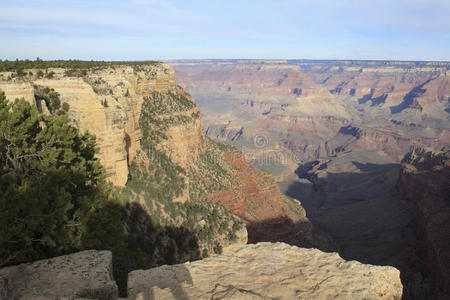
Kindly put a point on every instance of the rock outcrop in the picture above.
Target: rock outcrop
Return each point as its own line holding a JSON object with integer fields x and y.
{"x": 86, "y": 274}
{"x": 108, "y": 102}
{"x": 267, "y": 271}
{"x": 251, "y": 194}
{"x": 257, "y": 271}
{"x": 424, "y": 180}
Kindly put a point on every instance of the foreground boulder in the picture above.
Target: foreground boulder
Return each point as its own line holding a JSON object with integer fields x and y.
{"x": 267, "y": 271}
{"x": 86, "y": 274}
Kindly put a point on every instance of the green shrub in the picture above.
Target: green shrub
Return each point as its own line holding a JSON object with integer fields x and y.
{"x": 49, "y": 75}
{"x": 50, "y": 183}
{"x": 66, "y": 107}
{"x": 20, "y": 73}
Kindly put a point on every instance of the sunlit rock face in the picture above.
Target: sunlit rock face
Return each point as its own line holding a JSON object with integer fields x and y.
{"x": 107, "y": 102}
{"x": 267, "y": 271}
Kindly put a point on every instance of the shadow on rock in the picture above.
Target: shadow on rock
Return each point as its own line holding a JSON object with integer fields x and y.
{"x": 158, "y": 283}
{"x": 281, "y": 229}
{"x": 142, "y": 244}
{"x": 367, "y": 218}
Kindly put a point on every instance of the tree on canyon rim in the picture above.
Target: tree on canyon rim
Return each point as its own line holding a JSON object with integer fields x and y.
{"x": 51, "y": 184}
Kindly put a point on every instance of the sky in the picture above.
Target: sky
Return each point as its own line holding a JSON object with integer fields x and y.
{"x": 185, "y": 29}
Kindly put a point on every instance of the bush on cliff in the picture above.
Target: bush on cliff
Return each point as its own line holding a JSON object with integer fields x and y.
{"x": 50, "y": 183}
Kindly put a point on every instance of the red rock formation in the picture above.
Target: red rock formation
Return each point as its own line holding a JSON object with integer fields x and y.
{"x": 255, "y": 196}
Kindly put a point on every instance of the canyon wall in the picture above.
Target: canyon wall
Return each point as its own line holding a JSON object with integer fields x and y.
{"x": 254, "y": 195}
{"x": 107, "y": 102}
{"x": 332, "y": 134}
{"x": 308, "y": 110}
{"x": 140, "y": 115}
{"x": 424, "y": 181}
{"x": 188, "y": 196}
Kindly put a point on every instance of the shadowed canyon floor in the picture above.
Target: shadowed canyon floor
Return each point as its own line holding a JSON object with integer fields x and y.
{"x": 357, "y": 204}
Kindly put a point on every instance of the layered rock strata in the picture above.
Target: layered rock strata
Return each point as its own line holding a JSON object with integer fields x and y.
{"x": 108, "y": 102}
{"x": 302, "y": 107}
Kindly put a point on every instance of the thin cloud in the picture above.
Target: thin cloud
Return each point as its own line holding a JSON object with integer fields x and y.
{"x": 418, "y": 29}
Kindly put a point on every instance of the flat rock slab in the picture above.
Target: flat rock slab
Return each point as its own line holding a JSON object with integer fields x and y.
{"x": 86, "y": 274}
{"x": 267, "y": 271}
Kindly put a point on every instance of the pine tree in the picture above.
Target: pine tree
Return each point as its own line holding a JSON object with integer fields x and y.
{"x": 50, "y": 183}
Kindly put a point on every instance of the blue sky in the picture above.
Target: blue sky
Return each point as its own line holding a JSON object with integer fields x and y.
{"x": 183, "y": 29}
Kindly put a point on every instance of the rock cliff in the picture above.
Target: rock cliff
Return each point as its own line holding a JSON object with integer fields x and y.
{"x": 253, "y": 195}
{"x": 108, "y": 102}
{"x": 267, "y": 271}
{"x": 151, "y": 142}
{"x": 424, "y": 181}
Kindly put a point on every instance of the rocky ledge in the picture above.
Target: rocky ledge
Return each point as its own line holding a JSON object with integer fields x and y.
{"x": 256, "y": 271}
{"x": 86, "y": 274}
{"x": 267, "y": 271}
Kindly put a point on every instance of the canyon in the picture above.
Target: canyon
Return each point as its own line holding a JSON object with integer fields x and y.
{"x": 121, "y": 103}
{"x": 313, "y": 109}
{"x": 308, "y": 153}
{"x": 333, "y": 134}
{"x": 186, "y": 194}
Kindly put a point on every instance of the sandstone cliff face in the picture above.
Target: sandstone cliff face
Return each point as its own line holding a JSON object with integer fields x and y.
{"x": 267, "y": 271}
{"x": 108, "y": 102}
{"x": 424, "y": 180}
{"x": 142, "y": 120}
